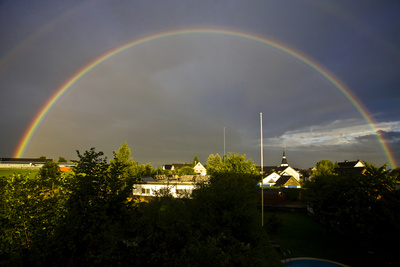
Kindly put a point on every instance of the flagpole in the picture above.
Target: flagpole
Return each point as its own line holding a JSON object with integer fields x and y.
{"x": 223, "y": 156}
{"x": 262, "y": 172}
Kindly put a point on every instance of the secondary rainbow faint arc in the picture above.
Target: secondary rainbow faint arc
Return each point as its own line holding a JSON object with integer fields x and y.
{"x": 312, "y": 64}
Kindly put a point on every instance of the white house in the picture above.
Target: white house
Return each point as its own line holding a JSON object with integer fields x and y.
{"x": 152, "y": 189}
{"x": 200, "y": 169}
{"x": 276, "y": 174}
{"x": 271, "y": 179}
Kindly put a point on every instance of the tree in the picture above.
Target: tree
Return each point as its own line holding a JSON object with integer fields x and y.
{"x": 363, "y": 205}
{"x": 187, "y": 170}
{"x": 49, "y": 173}
{"x": 98, "y": 213}
{"x": 124, "y": 158}
{"x": 213, "y": 163}
{"x": 144, "y": 170}
{"x": 324, "y": 167}
{"x": 195, "y": 161}
{"x": 90, "y": 163}
{"x": 61, "y": 159}
{"x": 395, "y": 173}
{"x": 31, "y": 211}
{"x": 218, "y": 226}
{"x": 238, "y": 164}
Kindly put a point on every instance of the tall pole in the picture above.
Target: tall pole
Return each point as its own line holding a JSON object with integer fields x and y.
{"x": 262, "y": 172}
{"x": 223, "y": 156}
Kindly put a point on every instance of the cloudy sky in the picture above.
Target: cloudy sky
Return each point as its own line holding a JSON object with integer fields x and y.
{"x": 170, "y": 97}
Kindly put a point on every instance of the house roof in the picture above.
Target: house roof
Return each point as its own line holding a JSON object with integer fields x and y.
{"x": 148, "y": 179}
{"x": 284, "y": 179}
{"x": 167, "y": 166}
{"x": 350, "y": 164}
{"x": 346, "y": 166}
{"x": 181, "y": 165}
{"x": 270, "y": 169}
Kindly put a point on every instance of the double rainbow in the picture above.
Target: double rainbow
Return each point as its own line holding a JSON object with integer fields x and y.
{"x": 289, "y": 51}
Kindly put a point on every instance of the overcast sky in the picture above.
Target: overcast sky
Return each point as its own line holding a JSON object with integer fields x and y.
{"x": 170, "y": 98}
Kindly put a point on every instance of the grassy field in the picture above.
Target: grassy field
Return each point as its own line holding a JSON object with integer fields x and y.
{"x": 6, "y": 172}
{"x": 304, "y": 237}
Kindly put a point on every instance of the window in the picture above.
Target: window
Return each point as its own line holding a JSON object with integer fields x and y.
{"x": 145, "y": 191}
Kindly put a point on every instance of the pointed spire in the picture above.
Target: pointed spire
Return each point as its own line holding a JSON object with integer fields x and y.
{"x": 284, "y": 160}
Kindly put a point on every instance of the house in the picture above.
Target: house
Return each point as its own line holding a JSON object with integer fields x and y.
{"x": 346, "y": 166}
{"x": 175, "y": 166}
{"x": 23, "y": 163}
{"x": 272, "y": 174}
{"x": 287, "y": 181}
{"x": 150, "y": 188}
{"x": 199, "y": 169}
{"x": 271, "y": 179}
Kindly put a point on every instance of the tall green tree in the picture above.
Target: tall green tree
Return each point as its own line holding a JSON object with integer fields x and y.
{"x": 49, "y": 173}
{"x": 187, "y": 170}
{"x": 144, "y": 170}
{"x": 195, "y": 161}
{"x": 61, "y": 159}
{"x": 324, "y": 167}
{"x": 130, "y": 168}
{"x": 213, "y": 163}
{"x": 98, "y": 213}
{"x": 90, "y": 163}
{"x": 238, "y": 164}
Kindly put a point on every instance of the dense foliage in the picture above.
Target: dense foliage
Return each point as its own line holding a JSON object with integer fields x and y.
{"x": 90, "y": 218}
{"x": 230, "y": 164}
{"x": 362, "y": 205}
{"x": 324, "y": 167}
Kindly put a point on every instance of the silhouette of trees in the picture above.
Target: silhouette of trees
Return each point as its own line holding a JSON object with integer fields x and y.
{"x": 363, "y": 205}
{"x": 89, "y": 217}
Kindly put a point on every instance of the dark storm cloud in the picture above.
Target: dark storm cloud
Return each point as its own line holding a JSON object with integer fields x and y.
{"x": 171, "y": 98}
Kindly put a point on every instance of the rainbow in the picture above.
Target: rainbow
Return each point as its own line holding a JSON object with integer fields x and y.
{"x": 279, "y": 46}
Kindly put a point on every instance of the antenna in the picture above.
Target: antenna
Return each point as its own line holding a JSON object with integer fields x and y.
{"x": 262, "y": 172}
{"x": 223, "y": 156}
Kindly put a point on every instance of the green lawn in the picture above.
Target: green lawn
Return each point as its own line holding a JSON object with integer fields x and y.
{"x": 6, "y": 172}
{"x": 305, "y": 237}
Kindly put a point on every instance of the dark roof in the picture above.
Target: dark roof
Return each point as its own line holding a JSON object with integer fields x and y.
{"x": 348, "y": 164}
{"x": 284, "y": 179}
{"x": 167, "y": 166}
{"x": 181, "y": 165}
{"x": 176, "y": 165}
{"x": 270, "y": 169}
{"x": 148, "y": 179}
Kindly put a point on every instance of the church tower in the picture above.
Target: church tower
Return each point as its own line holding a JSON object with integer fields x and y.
{"x": 284, "y": 160}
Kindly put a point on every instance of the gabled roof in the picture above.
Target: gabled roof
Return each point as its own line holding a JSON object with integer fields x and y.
{"x": 181, "y": 165}
{"x": 351, "y": 164}
{"x": 147, "y": 179}
{"x": 284, "y": 179}
{"x": 167, "y": 166}
{"x": 176, "y": 166}
{"x": 270, "y": 169}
